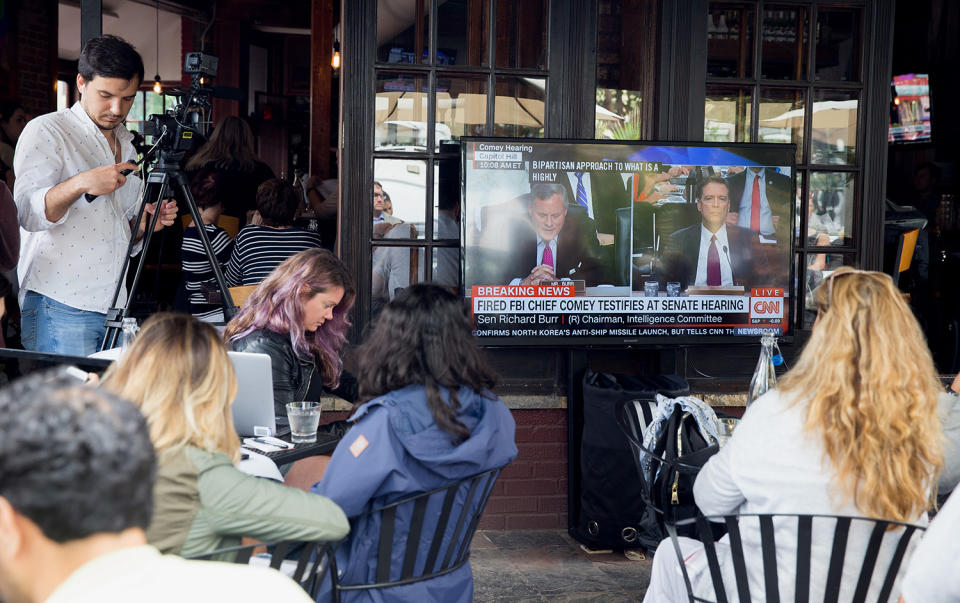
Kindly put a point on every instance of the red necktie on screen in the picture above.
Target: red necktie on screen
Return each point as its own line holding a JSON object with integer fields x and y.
{"x": 547, "y": 255}
{"x": 713, "y": 263}
{"x": 755, "y": 205}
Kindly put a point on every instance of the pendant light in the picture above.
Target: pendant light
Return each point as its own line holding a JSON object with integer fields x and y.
{"x": 157, "y": 87}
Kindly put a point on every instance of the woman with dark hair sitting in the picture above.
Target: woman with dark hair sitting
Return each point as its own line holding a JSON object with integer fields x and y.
{"x": 427, "y": 419}
{"x": 262, "y": 247}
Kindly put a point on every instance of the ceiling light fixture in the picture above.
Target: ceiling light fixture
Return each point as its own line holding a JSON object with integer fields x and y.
{"x": 157, "y": 86}
{"x": 335, "y": 60}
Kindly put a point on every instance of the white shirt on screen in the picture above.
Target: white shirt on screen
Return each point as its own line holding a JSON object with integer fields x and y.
{"x": 746, "y": 204}
{"x": 572, "y": 177}
{"x": 723, "y": 249}
{"x": 76, "y": 260}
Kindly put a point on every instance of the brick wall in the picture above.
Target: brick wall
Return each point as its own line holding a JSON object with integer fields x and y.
{"x": 532, "y": 491}
{"x": 36, "y": 67}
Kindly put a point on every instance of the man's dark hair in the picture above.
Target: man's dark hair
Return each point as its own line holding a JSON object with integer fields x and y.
{"x": 110, "y": 56}
{"x": 931, "y": 167}
{"x": 277, "y": 202}
{"x": 74, "y": 460}
{"x": 712, "y": 180}
{"x": 545, "y": 190}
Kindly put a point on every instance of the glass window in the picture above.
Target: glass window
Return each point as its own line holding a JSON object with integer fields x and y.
{"x": 801, "y": 183}
{"x": 838, "y": 45}
{"x": 618, "y": 114}
{"x": 394, "y": 269}
{"x": 818, "y": 267}
{"x": 830, "y": 208}
{"x": 780, "y": 118}
{"x": 462, "y": 32}
{"x": 522, "y": 34}
{"x": 730, "y": 41}
{"x": 403, "y": 184}
{"x": 623, "y": 77}
{"x": 834, "y": 135}
{"x": 63, "y": 95}
{"x": 446, "y": 199}
{"x": 403, "y": 31}
{"x": 461, "y": 107}
{"x": 400, "y": 112}
{"x": 726, "y": 115}
{"x": 784, "y": 43}
{"x": 519, "y": 107}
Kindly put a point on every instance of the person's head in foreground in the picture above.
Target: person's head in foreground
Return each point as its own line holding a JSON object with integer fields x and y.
{"x": 872, "y": 391}
{"x": 423, "y": 337}
{"x": 714, "y": 203}
{"x": 110, "y": 72}
{"x": 76, "y": 480}
{"x": 178, "y": 372}
{"x": 547, "y": 209}
{"x": 308, "y": 296}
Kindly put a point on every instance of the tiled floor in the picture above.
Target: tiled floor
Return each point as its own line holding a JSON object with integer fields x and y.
{"x": 548, "y": 565}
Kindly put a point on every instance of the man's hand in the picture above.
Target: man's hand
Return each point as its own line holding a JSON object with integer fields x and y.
{"x": 168, "y": 215}
{"x": 104, "y": 180}
{"x": 732, "y": 218}
{"x": 540, "y": 274}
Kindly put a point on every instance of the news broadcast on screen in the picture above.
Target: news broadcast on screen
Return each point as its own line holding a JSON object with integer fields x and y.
{"x": 595, "y": 242}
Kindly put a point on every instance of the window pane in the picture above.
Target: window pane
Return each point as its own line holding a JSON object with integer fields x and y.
{"x": 519, "y": 109}
{"x": 834, "y": 135}
{"x": 446, "y": 199}
{"x": 781, "y": 117}
{"x": 818, "y": 267}
{"x": 462, "y": 32}
{"x": 136, "y": 109}
{"x": 730, "y": 41}
{"x": 830, "y": 208}
{"x": 446, "y": 267}
{"x": 618, "y": 115}
{"x": 522, "y": 34}
{"x": 400, "y": 112}
{"x": 784, "y": 52}
{"x": 726, "y": 114}
{"x": 461, "y": 107}
{"x": 403, "y": 183}
{"x": 403, "y": 31}
{"x": 623, "y": 44}
{"x": 393, "y": 269}
{"x": 838, "y": 45}
{"x": 801, "y": 187}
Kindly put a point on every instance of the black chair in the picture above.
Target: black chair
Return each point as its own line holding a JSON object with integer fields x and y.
{"x": 456, "y": 524}
{"x": 310, "y": 570}
{"x": 880, "y": 531}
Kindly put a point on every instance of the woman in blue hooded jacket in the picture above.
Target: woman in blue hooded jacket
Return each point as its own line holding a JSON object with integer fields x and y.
{"x": 426, "y": 419}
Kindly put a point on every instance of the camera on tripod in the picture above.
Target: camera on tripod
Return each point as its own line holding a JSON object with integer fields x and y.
{"x": 178, "y": 128}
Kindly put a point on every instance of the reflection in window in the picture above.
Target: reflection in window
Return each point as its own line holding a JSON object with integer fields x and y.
{"x": 830, "y": 208}
{"x": 784, "y": 52}
{"x": 462, "y": 32}
{"x": 402, "y": 31}
{"x": 726, "y": 114}
{"x": 622, "y": 78}
{"x": 400, "y": 108}
{"x": 819, "y": 267}
{"x": 781, "y": 117}
{"x": 730, "y": 41}
{"x": 461, "y": 107}
{"x": 519, "y": 107}
{"x": 838, "y": 45}
{"x": 521, "y": 34}
{"x": 618, "y": 115}
{"x": 394, "y": 269}
{"x": 403, "y": 181}
{"x": 834, "y": 135}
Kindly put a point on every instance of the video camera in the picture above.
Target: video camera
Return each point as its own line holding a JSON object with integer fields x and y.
{"x": 178, "y": 128}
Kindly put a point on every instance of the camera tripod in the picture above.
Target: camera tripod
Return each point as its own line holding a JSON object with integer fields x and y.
{"x": 165, "y": 177}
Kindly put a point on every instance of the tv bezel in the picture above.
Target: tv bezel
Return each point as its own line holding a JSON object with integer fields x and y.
{"x": 789, "y": 149}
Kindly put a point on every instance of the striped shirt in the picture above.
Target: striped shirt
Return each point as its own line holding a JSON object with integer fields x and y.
{"x": 260, "y": 249}
{"x": 197, "y": 273}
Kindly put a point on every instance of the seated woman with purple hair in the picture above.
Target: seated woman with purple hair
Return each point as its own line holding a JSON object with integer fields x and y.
{"x": 298, "y": 317}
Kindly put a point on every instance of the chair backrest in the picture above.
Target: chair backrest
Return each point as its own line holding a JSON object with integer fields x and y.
{"x": 241, "y": 294}
{"x": 306, "y": 565}
{"x": 897, "y": 534}
{"x": 906, "y": 244}
{"x": 230, "y": 224}
{"x": 449, "y": 543}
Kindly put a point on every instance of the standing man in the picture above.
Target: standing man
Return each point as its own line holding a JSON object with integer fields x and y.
{"x": 760, "y": 199}
{"x": 72, "y": 251}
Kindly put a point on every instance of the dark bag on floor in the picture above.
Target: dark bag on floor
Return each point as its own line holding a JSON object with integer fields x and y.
{"x": 612, "y": 512}
{"x": 672, "y": 489}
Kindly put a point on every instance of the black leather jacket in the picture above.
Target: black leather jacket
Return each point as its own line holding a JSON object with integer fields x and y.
{"x": 294, "y": 380}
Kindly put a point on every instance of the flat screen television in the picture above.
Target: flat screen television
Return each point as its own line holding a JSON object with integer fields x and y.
{"x": 571, "y": 242}
{"x": 910, "y": 109}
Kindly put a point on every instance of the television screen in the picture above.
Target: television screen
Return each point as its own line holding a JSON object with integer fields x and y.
{"x": 910, "y": 112}
{"x": 593, "y": 242}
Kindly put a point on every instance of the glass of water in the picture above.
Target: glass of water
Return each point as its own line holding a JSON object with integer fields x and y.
{"x": 304, "y": 420}
{"x": 725, "y": 432}
{"x": 673, "y": 289}
{"x": 651, "y": 288}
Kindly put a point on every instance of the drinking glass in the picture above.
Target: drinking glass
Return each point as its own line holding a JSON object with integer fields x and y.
{"x": 304, "y": 420}
{"x": 651, "y": 288}
{"x": 725, "y": 431}
{"x": 673, "y": 289}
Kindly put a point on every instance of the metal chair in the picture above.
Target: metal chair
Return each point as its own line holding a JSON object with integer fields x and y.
{"x": 768, "y": 525}
{"x": 455, "y": 525}
{"x": 310, "y": 570}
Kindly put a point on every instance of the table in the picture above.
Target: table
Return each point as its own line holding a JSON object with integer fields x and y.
{"x": 324, "y": 445}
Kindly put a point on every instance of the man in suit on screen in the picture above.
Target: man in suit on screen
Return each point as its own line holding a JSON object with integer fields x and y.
{"x": 599, "y": 194}
{"x": 760, "y": 200}
{"x": 713, "y": 253}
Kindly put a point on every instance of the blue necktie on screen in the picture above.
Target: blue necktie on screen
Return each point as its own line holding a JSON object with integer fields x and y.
{"x": 581, "y": 192}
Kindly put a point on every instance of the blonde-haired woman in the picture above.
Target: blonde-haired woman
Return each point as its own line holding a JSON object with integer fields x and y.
{"x": 178, "y": 372}
{"x": 851, "y": 430}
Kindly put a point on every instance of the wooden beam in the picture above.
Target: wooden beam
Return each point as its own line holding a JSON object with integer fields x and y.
{"x": 321, "y": 79}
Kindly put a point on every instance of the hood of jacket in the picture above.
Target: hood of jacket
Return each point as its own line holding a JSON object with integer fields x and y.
{"x": 491, "y": 442}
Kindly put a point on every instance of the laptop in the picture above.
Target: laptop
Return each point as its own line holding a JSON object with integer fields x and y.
{"x": 253, "y": 407}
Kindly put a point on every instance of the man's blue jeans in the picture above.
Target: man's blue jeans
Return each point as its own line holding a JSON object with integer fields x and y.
{"x": 46, "y": 325}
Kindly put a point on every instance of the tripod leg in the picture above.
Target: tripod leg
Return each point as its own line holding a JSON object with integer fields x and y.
{"x": 183, "y": 190}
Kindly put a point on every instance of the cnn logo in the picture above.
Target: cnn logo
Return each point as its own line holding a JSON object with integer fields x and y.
{"x": 766, "y": 307}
